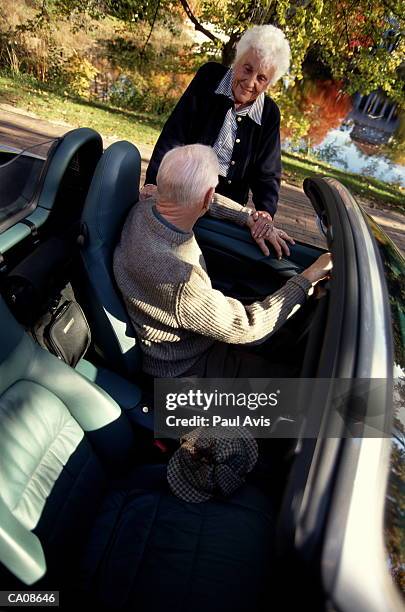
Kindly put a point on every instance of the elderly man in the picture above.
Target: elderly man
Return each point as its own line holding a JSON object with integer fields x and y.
{"x": 185, "y": 327}
{"x": 227, "y": 109}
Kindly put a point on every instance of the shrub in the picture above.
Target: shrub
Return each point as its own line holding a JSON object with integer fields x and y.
{"x": 79, "y": 74}
{"x": 156, "y": 94}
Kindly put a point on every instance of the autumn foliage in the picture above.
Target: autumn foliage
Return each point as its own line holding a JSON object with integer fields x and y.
{"x": 321, "y": 105}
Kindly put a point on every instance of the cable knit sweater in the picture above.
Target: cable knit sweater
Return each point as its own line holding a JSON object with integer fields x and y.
{"x": 176, "y": 313}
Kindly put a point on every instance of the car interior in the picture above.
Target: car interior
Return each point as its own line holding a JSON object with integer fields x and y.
{"x": 84, "y": 503}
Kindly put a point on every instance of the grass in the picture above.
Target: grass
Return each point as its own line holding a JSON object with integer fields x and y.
{"x": 297, "y": 167}
{"x": 141, "y": 128}
{"x": 38, "y": 98}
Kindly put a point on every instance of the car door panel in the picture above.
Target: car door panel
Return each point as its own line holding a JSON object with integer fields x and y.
{"x": 236, "y": 264}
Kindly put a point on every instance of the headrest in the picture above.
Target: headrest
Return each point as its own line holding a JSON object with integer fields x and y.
{"x": 86, "y": 140}
{"x": 114, "y": 189}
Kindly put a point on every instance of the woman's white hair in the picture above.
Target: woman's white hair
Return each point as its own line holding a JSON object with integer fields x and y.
{"x": 186, "y": 174}
{"x": 271, "y": 46}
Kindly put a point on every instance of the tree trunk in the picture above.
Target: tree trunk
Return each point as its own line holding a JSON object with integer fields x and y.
{"x": 228, "y": 50}
{"x": 258, "y": 15}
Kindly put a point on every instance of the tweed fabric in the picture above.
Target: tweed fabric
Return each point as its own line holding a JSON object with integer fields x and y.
{"x": 211, "y": 463}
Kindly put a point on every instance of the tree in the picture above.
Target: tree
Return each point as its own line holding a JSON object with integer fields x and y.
{"x": 358, "y": 42}
{"x": 355, "y": 41}
{"x": 311, "y": 109}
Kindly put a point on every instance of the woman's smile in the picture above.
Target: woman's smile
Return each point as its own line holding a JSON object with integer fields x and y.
{"x": 250, "y": 79}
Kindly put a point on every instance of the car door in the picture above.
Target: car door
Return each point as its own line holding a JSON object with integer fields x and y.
{"x": 237, "y": 266}
{"x": 331, "y": 526}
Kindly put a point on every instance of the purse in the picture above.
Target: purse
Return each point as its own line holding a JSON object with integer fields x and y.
{"x": 42, "y": 299}
{"x": 67, "y": 334}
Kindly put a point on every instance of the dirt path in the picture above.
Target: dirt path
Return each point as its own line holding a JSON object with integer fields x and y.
{"x": 295, "y": 213}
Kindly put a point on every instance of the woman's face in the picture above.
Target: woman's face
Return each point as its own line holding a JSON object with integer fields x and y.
{"x": 251, "y": 78}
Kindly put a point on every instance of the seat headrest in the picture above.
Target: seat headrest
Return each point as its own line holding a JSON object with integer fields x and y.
{"x": 84, "y": 140}
{"x": 114, "y": 189}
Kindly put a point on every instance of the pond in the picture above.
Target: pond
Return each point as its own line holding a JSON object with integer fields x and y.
{"x": 352, "y": 134}
{"x": 338, "y": 149}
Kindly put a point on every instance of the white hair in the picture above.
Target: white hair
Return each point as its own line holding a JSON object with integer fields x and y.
{"x": 186, "y": 174}
{"x": 271, "y": 46}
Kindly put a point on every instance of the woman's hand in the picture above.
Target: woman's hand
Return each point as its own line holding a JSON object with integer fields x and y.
{"x": 147, "y": 191}
{"x": 263, "y": 223}
{"x": 261, "y": 227}
{"x": 278, "y": 240}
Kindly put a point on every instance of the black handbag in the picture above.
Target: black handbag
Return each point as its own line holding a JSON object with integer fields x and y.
{"x": 67, "y": 335}
{"x": 42, "y": 299}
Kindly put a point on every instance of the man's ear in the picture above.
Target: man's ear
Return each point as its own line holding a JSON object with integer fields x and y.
{"x": 208, "y": 198}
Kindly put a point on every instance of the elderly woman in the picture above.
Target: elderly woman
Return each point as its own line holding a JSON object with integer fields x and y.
{"x": 227, "y": 109}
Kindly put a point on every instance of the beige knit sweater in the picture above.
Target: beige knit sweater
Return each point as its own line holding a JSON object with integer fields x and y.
{"x": 176, "y": 313}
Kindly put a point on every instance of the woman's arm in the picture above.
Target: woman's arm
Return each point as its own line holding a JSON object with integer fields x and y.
{"x": 266, "y": 173}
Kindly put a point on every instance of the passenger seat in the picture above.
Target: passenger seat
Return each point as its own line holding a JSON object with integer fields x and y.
{"x": 79, "y": 515}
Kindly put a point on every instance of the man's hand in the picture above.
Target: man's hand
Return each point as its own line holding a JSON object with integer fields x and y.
{"x": 147, "y": 191}
{"x": 319, "y": 270}
{"x": 261, "y": 227}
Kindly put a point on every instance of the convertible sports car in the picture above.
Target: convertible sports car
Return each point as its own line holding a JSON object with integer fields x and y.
{"x": 84, "y": 504}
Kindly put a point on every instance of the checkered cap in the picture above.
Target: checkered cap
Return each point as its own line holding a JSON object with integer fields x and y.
{"x": 211, "y": 463}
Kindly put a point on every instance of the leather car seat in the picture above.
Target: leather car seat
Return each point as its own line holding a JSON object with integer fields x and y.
{"x": 68, "y": 171}
{"x": 78, "y": 515}
{"x": 113, "y": 191}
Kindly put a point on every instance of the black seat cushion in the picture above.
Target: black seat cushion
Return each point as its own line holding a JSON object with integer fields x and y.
{"x": 149, "y": 550}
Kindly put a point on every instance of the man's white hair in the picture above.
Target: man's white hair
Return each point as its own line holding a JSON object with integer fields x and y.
{"x": 186, "y": 174}
{"x": 271, "y": 46}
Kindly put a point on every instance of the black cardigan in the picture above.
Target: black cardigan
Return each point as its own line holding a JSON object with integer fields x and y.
{"x": 198, "y": 117}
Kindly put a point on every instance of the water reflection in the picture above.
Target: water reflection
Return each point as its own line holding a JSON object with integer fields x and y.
{"x": 341, "y": 151}
{"x": 319, "y": 118}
